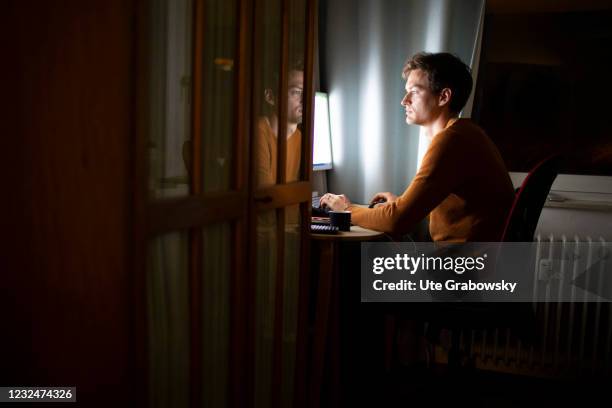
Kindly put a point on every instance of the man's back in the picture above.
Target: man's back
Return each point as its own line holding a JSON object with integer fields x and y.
{"x": 481, "y": 194}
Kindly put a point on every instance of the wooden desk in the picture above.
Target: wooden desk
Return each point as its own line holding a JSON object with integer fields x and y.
{"x": 327, "y": 246}
{"x": 355, "y": 234}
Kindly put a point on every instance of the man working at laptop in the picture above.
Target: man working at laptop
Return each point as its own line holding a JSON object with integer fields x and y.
{"x": 462, "y": 183}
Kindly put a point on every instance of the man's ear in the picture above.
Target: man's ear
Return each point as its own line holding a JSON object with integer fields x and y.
{"x": 445, "y": 96}
{"x": 269, "y": 96}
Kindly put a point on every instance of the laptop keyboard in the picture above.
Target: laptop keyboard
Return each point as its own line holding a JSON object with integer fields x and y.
{"x": 323, "y": 229}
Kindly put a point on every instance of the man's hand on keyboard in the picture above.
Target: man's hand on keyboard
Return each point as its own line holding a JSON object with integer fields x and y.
{"x": 335, "y": 202}
{"x": 381, "y": 199}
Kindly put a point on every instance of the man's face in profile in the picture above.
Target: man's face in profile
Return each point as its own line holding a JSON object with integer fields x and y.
{"x": 294, "y": 97}
{"x": 420, "y": 104}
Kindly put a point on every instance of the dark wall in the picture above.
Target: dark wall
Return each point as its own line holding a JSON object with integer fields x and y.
{"x": 543, "y": 85}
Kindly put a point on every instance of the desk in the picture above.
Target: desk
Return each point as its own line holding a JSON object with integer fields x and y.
{"x": 355, "y": 234}
{"x": 327, "y": 246}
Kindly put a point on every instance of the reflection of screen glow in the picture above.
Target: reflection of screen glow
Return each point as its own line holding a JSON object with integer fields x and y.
{"x": 322, "y": 154}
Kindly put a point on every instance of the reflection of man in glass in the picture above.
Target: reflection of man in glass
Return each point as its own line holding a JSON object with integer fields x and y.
{"x": 266, "y": 162}
{"x": 266, "y": 150}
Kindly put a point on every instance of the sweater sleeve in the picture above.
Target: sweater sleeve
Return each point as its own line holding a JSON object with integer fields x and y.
{"x": 441, "y": 171}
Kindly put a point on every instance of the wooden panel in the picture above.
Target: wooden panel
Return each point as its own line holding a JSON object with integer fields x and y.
{"x": 281, "y": 170}
{"x": 282, "y": 195}
{"x": 301, "y": 363}
{"x": 71, "y": 94}
{"x": 139, "y": 181}
{"x": 195, "y": 317}
{"x": 196, "y": 126}
{"x": 171, "y": 213}
{"x": 193, "y": 211}
{"x": 240, "y": 362}
{"x": 309, "y": 87}
{"x": 280, "y": 212}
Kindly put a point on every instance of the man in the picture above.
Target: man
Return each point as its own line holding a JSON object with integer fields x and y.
{"x": 462, "y": 183}
{"x": 267, "y": 144}
{"x": 266, "y": 162}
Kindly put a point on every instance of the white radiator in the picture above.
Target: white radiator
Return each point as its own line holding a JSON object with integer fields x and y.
{"x": 572, "y": 338}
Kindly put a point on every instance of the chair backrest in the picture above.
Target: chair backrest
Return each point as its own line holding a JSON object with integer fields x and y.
{"x": 529, "y": 201}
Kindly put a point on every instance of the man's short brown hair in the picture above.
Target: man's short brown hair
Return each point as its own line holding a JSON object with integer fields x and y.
{"x": 443, "y": 70}
{"x": 272, "y": 80}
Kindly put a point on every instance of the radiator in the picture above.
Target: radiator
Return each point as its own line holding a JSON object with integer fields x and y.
{"x": 572, "y": 338}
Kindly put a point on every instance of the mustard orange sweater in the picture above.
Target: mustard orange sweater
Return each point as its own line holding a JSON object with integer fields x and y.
{"x": 267, "y": 154}
{"x": 462, "y": 184}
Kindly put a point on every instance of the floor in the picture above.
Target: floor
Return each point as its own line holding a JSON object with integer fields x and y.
{"x": 437, "y": 386}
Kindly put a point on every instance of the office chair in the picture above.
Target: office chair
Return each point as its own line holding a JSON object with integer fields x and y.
{"x": 529, "y": 201}
{"x": 520, "y": 226}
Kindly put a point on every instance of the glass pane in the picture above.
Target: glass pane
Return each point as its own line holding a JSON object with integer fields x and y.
{"x": 218, "y": 111}
{"x": 268, "y": 99}
{"x": 290, "y": 302}
{"x": 216, "y": 314}
{"x": 297, "y": 32}
{"x": 267, "y": 275}
{"x": 293, "y": 145}
{"x": 264, "y": 305}
{"x": 170, "y": 101}
{"x": 265, "y": 88}
{"x": 168, "y": 320}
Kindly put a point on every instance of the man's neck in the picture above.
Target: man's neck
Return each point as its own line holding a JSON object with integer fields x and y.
{"x": 273, "y": 120}
{"x": 437, "y": 125}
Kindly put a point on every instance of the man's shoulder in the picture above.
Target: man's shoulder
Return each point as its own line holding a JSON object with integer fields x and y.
{"x": 263, "y": 124}
{"x": 465, "y": 126}
{"x": 461, "y": 131}
{"x": 297, "y": 133}
{"x": 264, "y": 131}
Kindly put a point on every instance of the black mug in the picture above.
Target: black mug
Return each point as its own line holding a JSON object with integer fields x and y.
{"x": 340, "y": 219}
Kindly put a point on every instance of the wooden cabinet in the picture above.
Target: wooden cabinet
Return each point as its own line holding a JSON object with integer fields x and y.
{"x": 137, "y": 265}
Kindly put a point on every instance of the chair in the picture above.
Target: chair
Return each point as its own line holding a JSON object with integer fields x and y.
{"x": 529, "y": 201}
{"x": 520, "y": 226}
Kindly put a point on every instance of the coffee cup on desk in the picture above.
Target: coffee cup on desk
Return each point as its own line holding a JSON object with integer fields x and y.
{"x": 340, "y": 219}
